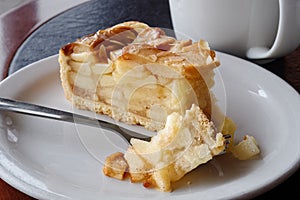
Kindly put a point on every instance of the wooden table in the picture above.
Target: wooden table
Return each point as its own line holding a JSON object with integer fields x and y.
{"x": 35, "y": 39}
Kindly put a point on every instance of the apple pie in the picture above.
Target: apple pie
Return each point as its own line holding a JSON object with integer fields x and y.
{"x": 137, "y": 74}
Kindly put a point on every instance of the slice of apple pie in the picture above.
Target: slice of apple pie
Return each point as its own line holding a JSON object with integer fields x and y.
{"x": 137, "y": 74}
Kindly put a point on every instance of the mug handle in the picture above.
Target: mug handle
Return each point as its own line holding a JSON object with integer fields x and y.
{"x": 288, "y": 33}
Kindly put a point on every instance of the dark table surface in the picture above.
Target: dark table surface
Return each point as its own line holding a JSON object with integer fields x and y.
{"x": 98, "y": 14}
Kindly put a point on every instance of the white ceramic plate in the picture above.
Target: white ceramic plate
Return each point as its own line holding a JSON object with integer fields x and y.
{"x": 46, "y": 158}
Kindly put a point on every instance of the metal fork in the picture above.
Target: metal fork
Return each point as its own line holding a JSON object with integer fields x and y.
{"x": 51, "y": 113}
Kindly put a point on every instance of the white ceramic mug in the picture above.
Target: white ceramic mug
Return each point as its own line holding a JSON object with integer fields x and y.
{"x": 256, "y": 29}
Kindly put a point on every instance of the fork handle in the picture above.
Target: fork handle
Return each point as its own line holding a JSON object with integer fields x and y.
{"x": 40, "y": 111}
{"x": 51, "y": 113}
